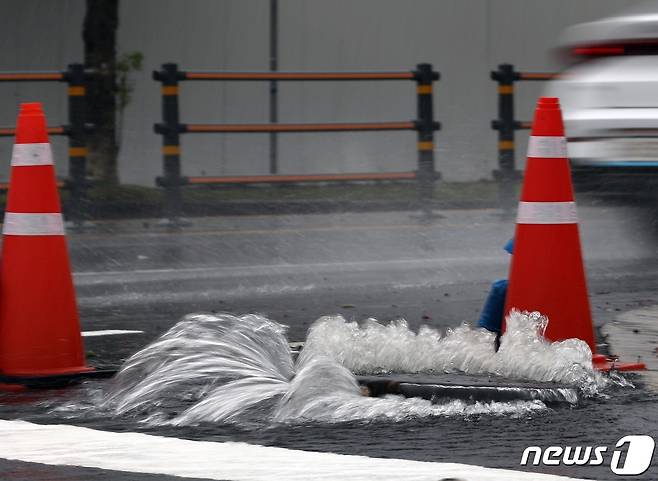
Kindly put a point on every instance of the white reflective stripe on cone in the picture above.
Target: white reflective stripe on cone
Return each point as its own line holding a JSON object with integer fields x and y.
{"x": 547, "y": 213}
{"x": 31, "y": 154}
{"x": 33, "y": 224}
{"x": 547, "y": 147}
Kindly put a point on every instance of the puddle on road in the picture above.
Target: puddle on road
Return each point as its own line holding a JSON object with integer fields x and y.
{"x": 225, "y": 369}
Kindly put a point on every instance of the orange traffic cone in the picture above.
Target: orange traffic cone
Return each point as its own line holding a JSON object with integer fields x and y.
{"x": 547, "y": 272}
{"x": 39, "y": 324}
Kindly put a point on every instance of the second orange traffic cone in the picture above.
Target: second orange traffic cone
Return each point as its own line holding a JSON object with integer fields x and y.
{"x": 547, "y": 273}
{"x": 39, "y": 325}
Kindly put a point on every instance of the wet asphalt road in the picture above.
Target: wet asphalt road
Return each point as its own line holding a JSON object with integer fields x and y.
{"x": 293, "y": 269}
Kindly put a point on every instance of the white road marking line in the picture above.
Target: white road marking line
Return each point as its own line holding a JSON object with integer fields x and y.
{"x": 109, "y": 332}
{"x": 143, "y": 453}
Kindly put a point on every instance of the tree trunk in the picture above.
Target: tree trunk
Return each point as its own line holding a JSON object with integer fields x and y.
{"x": 99, "y": 35}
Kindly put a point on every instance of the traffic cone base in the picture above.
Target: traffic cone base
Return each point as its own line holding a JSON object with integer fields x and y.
{"x": 54, "y": 336}
{"x": 564, "y": 267}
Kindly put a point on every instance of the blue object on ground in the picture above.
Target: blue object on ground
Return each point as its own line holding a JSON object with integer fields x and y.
{"x": 492, "y": 313}
{"x": 509, "y": 247}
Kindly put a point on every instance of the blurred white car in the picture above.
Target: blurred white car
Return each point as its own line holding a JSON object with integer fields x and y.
{"x": 609, "y": 96}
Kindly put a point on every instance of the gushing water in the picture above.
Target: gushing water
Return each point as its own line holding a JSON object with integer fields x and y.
{"x": 524, "y": 353}
{"x": 221, "y": 365}
{"x": 223, "y": 368}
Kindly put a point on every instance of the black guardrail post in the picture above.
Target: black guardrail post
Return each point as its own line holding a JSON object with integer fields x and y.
{"x": 506, "y": 175}
{"x": 75, "y": 77}
{"x": 425, "y": 126}
{"x": 170, "y": 130}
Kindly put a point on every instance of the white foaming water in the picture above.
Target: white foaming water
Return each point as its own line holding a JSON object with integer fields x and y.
{"x": 524, "y": 353}
{"x": 218, "y": 366}
{"x": 223, "y": 368}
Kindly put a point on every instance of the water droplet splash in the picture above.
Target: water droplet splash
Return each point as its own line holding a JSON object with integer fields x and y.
{"x": 371, "y": 347}
{"x": 230, "y": 369}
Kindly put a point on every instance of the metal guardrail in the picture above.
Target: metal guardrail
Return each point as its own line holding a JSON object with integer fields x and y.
{"x": 75, "y": 77}
{"x": 171, "y": 129}
{"x": 506, "y": 125}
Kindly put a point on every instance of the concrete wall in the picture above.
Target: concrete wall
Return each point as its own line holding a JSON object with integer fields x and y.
{"x": 464, "y": 39}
